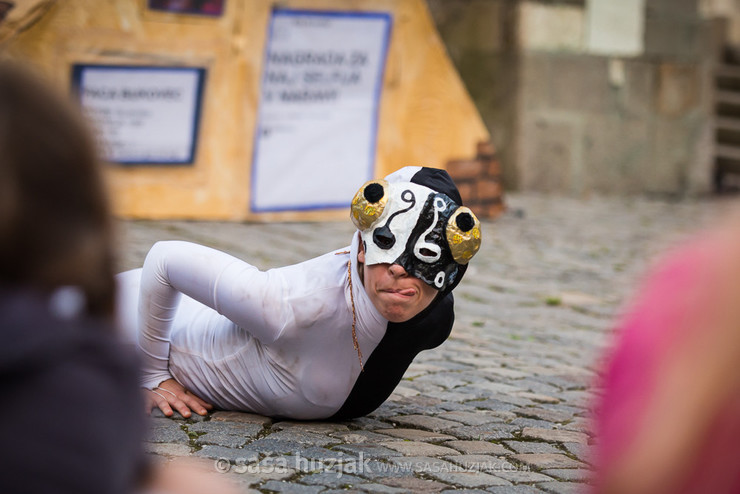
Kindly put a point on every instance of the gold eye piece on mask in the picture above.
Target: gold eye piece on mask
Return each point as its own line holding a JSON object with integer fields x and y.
{"x": 368, "y": 203}
{"x": 463, "y": 235}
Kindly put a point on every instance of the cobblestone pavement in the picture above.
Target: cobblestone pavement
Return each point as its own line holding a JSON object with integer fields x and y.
{"x": 502, "y": 405}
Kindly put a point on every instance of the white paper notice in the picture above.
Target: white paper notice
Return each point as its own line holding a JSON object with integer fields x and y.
{"x": 143, "y": 114}
{"x": 315, "y": 142}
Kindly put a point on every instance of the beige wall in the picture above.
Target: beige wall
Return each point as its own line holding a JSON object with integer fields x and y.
{"x": 426, "y": 115}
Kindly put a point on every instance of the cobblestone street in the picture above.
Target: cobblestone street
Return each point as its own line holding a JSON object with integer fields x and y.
{"x": 502, "y": 405}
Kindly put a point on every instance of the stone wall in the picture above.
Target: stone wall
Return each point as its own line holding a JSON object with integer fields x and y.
{"x": 567, "y": 117}
{"x": 480, "y": 39}
{"x": 597, "y": 124}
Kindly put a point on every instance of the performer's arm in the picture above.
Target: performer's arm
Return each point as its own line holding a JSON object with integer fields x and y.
{"x": 247, "y": 296}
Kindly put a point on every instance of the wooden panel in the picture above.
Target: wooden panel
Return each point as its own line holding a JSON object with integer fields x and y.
{"x": 426, "y": 115}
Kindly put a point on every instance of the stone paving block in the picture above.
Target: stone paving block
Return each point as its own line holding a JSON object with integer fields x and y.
{"x": 402, "y": 391}
{"x": 543, "y": 414}
{"x": 227, "y": 434}
{"x": 579, "y": 424}
{"x": 164, "y": 430}
{"x": 455, "y": 395}
{"x": 434, "y": 424}
{"x": 465, "y": 406}
{"x": 486, "y": 432}
{"x": 554, "y": 435}
{"x": 524, "y": 477}
{"x": 581, "y": 399}
{"x": 423, "y": 401}
{"x": 445, "y": 379}
{"x": 566, "y": 408}
{"x": 413, "y": 484}
{"x": 448, "y": 364}
{"x": 253, "y": 475}
{"x": 241, "y": 417}
{"x": 470, "y": 418}
{"x": 482, "y": 463}
{"x": 368, "y": 450}
{"x": 380, "y": 489}
{"x": 269, "y": 446}
{"x": 532, "y": 447}
{"x": 561, "y": 487}
{"x": 231, "y": 454}
{"x": 417, "y": 369}
{"x": 315, "y": 427}
{"x": 538, "y": 398}
{"x": 362, "y": 437}
{"x": 422, "y": 464}
{"x": 522, "y": 423}
{"x": 464, "y": 491}
{"x": 424, "y": 387}
{"x": 381, "y": 470}
{"x": 505, "y": 372}
{"x": 415, "y": 434}
{"x": 167, "y": 449}
{"x": 418, "y": 448}
{"x": 469, "y": 479}
{"x": 500, "y": 388}
{"x": 319, "y": 459}
{"x": 366, "y": 423}
{"x": 544, "y": 461}
{"x": 476, "y": 376}
{"x": 502, "y": 402}
{"x": 477, "y": 447}
{"x": 581, "y": 451}
{"x": 301, "y": 437}
{"x": 332, "y": 479}
{"x": 248, "y": 430}
{"x": 383, "y": 413}
{"x": 514, "y": 489}
{"x": 291, "y": 487}
{"x": 570, "y": 474}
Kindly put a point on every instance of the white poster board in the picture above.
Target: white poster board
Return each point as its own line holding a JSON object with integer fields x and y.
{"x": 615, "y": 28}
{"x": 142, "y": 115}
{"x": 318, "y": 112}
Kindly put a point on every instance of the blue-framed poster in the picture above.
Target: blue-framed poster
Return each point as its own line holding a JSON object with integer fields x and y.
{"x": 142, "y": 114}
{"x": 318, "y": 111}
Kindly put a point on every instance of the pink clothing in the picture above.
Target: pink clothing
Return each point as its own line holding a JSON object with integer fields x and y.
{"x": 669, "y": 314}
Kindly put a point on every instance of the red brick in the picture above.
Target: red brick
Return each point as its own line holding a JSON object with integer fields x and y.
{"x": 485, "y": 150}
{"x": 493, "y": 168}
{"x": 490, "y": 210}
{"x": 465, "y": 169}
{"x": 467, "y": 192}
{"x": 488, "y": 189}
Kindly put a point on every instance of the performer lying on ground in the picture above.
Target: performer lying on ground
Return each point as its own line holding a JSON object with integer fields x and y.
{"x": 327, "y": 338}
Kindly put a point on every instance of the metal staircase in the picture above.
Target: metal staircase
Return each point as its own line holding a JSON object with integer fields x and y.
{"x": 727, "y": 126}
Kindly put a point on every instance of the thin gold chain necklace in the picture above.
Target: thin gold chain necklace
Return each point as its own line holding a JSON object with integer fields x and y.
{"x": 355, "y": 343}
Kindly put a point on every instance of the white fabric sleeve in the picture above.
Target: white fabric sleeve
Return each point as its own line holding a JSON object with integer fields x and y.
{"x": 253, "y": 299}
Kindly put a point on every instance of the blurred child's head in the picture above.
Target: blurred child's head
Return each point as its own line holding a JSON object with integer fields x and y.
{"x": 54, "y": 214}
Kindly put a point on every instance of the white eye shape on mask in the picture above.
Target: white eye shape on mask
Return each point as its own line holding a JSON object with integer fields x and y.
{"x": 428, "y": 251}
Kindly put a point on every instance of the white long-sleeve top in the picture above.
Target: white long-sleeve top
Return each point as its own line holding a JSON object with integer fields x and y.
{"x": 276, "y": 342}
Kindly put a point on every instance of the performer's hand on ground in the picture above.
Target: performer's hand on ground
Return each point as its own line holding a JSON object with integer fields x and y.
{"x": 171, "y": 394}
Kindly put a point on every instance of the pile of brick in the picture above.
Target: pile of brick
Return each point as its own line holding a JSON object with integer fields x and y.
{"x": 479, "y": 182}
